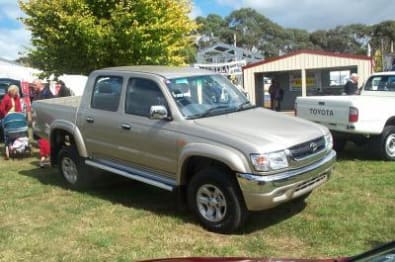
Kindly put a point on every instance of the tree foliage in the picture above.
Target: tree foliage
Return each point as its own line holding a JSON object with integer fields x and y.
{"x": 78, "y": 36}
{"x": 382, "y": 35}
{"x": 253, "y": 29}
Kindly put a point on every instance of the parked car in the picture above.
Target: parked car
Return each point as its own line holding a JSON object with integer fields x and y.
{"x": 189, "y": 131}
{"x": 5, "y": 83}
{"x": 367, "y": 118}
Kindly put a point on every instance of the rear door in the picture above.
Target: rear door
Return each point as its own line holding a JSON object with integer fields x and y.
{"x": 101, "y": 118}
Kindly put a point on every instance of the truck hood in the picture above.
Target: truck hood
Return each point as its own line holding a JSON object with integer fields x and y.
{"x": 262, "y": 128}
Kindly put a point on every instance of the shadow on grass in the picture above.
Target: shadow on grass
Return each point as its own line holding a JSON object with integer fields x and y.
{"x": 267, "y": 218}
{"x": 356, "y": 152}
{"x": 137, "y": 195}
{"x": 113, "y": 188}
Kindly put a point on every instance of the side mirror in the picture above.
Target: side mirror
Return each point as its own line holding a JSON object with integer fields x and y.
{"x": 158, "y": 112}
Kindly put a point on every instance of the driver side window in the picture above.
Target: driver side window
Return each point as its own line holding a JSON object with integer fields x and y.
{"x": 141, "y": 94}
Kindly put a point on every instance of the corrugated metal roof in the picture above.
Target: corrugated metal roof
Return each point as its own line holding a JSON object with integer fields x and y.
{"x": 312, "y": 52}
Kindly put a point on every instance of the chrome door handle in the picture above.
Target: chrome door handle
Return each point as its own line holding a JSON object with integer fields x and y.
{"x": 90, "y": 119}
{"x": 126, "y": 126}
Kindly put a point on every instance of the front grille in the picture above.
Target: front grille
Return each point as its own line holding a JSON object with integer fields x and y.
{"x": 310, "y": 182}
{"x": 308, "y": 148}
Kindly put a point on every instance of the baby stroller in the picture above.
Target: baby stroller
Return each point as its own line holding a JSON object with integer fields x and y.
{"x": 16, "y": 135}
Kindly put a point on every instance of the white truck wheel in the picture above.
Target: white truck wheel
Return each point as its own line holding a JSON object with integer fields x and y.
{"x": 387, "y": 143}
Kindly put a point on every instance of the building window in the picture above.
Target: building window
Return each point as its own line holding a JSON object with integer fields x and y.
{"x": 339, "y": 78}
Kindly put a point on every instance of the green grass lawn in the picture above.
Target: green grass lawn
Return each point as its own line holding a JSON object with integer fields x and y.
{"x": 41, "y": 220}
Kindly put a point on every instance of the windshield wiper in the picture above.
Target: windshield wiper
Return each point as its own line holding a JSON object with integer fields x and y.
{"x": 213, "y": 109}
{"x": 242, "y": 106}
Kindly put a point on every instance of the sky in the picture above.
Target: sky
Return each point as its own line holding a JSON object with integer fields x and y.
{"x": 303, "y": 14}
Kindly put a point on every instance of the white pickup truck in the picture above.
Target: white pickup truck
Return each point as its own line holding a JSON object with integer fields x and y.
{"x": 367, "y": 118}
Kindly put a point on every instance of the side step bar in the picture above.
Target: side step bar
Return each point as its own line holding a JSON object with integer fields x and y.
{"x": 135, "y": 174}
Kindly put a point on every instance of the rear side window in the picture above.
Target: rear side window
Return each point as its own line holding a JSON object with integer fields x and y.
{"x": 141, "y": 94}
{"x": 106, "y": 93}
{"x": 381, "y": 83}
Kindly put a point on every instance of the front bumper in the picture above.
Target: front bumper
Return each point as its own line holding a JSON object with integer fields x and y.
{"x": 263, "y": 192}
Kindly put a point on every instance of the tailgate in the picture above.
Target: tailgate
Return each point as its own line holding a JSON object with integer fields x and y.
{"x": 326, "y": 110}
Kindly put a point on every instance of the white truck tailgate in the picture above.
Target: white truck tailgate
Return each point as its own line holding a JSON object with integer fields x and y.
{"x": 327, "y": 110}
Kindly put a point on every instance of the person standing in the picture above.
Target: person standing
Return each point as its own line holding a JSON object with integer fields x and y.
{"x": 39, "y": 92}
{"x": 63, "y": 90}
{"x": 10, "y": 102}
{"x": 276, "y": 95}
{"x": 351, "y": 87}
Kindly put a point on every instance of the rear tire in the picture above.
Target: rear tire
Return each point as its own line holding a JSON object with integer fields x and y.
{"x": 385, "y": 144}
{"x": 72, "y": 168}
{"x": 215, "y": 199}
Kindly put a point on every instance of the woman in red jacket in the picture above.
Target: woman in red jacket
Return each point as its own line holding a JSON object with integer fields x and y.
{"x": 11, "y": 102}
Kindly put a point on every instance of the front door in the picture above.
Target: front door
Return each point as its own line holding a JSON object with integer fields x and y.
{"x": 154, "y": 140}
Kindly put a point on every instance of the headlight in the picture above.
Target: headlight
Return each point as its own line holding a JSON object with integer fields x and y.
{"x": 269, "y": 161}
{"x": 328, "y": 141}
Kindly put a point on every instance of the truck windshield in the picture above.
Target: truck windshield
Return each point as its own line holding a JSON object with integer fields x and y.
{"x": 381, "y": 83}
{"x": 207, "y": 95}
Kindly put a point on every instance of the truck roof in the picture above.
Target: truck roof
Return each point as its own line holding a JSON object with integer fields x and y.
{"x": 165, "y": 71}
{"x": 384, "y": 73}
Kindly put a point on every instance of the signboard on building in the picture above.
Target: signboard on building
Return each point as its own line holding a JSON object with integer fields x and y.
{"x": 313, "y": 81}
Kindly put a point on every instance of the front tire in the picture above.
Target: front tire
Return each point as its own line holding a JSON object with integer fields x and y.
{"x": 216, "y": 201}
{"x": 72, "y": 169}
{"x": 386, "y": 145}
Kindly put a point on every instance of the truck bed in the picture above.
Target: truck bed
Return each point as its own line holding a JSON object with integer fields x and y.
{"x": 49, "y": 110}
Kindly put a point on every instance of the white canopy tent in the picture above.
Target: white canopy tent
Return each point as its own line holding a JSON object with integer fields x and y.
{"x": 9, "y": 69}
{"x": 13, "y": 70}
{"x": 76, "y": 83}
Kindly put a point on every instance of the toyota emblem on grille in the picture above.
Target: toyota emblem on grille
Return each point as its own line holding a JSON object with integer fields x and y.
{"x": 313, "y": 147}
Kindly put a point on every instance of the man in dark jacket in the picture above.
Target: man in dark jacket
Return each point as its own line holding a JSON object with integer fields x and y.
{"x": 276, "y": 95}
{"x": 63, "y": 90}
{"x": 351, "y": 87}
{"x": 40, "y": 91}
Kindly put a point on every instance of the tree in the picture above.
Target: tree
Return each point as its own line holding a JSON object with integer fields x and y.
{"x": 351, "y": 39}
{"x": 253, "y": 29}
{"x": 78, "y": 36}
{"x": 213, "y": 24}
{"x": 297, "y": 39}
{"x": 383, "y": 36}
{"x": 211, "y": 29}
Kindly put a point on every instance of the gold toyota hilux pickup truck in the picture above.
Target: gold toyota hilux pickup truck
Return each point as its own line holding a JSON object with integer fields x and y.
{"x": 189, "y": 131}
